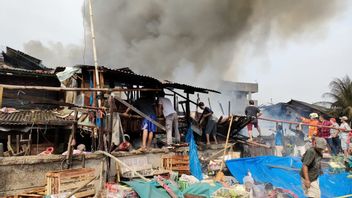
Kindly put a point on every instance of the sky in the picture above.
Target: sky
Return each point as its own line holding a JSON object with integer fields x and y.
{"x": 300, "y": 68}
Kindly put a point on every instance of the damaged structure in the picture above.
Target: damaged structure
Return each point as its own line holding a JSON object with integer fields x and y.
{"x": 75, "y": 139}
{"x": 48, "y": 114}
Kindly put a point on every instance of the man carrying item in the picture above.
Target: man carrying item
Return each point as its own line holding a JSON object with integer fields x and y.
{"x": 312, "y": 130}
{"x": 171, "y": 119}
{"x": 253, "y": 112}
{"x": 311, "y": 168}
{"x": 324, "y": 132}
{"x": 300, "y": 148}
{"x": 210, "y": 121}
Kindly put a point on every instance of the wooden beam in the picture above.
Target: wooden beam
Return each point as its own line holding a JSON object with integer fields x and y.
{"x": 140, "y": 113}
{"x": 1, "y": 94}
{"x": 46, "y": 88}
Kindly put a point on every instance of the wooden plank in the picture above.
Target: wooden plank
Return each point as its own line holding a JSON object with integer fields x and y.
{"x": 140, "y": 113}
{"x": 1, "y": 94}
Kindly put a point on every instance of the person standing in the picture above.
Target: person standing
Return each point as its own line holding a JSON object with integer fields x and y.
{"x": 253, "y": 112}
{"x": 336, "y": 142}
{"x": 171, "y": 119}
{"x": 344, "y": 130}
{"x": 146, "y": 104}
{"x": 279, "y": 134}
{"x": 324, "y": 132}
{"x": 313, "y": 120}
{"x": 311, "y": 168}
{"x": 300, "y": 148}
{"x": 210, "y": 121}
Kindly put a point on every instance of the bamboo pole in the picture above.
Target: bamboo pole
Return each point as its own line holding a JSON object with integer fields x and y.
{"x": 79, "y": 188}
{"x": 219, "y": 176}
{"x": 227, "y": 141}
{"x": 302, "y": 123}
{"x": 123, "y": 164}
{"x": 46, "y": 88}
{"x": 93, "y": 43}
{"x": 1, "y": 94}
{"x": 253, "y": 144}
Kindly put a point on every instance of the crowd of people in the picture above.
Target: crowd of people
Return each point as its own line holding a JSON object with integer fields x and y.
{"x": 337, "y": 136}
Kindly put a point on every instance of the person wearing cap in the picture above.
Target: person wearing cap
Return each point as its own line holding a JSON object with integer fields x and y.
{"x": 311, "y": 168}
{"x": 344, "y": 130}
{"x": 313, "y": 120}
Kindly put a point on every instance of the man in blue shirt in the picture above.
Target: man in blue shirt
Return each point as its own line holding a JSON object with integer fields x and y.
{"x": 279, "y": 134}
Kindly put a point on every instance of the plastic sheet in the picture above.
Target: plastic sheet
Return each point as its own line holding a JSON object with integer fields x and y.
{"x": 285, "y": 175}
{"x": 148, "y": 189}
{"x": 202, "y": 189}
{"x": 194, "y": 163}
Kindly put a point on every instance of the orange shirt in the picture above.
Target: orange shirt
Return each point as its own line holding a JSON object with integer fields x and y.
{"x": 312, "y": 130}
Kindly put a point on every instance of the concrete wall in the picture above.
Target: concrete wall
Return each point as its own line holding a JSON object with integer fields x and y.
{"x": 18, "y": 174}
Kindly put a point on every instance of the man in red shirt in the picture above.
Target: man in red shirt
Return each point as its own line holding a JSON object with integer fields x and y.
{"x": 324, "y": 132}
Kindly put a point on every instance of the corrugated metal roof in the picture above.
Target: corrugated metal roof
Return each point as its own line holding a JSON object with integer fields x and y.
{"x": 187, "y": 88}
{"x": 32, "y": 118}
{"x": 126, "y": 75}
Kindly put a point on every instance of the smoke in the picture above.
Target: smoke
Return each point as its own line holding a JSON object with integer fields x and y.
{"x": 55, "y": 54}
{"x": 195, "y": 41}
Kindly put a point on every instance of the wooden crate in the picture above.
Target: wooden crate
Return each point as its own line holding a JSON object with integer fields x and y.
{"x": 69, "y": 180}
{"x": 179, "y": 163}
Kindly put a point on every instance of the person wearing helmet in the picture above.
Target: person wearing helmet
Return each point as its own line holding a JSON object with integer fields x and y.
{"x": 313, "y": 120}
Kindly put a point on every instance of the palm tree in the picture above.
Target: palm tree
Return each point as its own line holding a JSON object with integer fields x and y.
{"x": 341, "y": 95}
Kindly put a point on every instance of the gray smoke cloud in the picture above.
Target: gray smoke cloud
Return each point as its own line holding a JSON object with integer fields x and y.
{"x": 194, "y": 41}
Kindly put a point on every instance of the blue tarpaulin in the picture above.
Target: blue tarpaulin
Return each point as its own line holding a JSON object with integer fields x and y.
{"x": 262, "y": 171}
{"x": 194, "y": 163}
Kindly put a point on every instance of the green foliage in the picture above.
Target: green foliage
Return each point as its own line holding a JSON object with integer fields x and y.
{"x": 341, "y": 95}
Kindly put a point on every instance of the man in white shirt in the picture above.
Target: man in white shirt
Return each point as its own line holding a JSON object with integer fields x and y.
{"x": 171, "y": 118}
{"x": 344, "y": 130}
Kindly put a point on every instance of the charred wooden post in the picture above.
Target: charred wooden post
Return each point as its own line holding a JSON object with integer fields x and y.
{"x": 1, "y": 94}
{"x": 188, "y": 111}
{"x": 71, "y": 139}
{"x": 111, "y": 112}
{"x": 229, "y": 112}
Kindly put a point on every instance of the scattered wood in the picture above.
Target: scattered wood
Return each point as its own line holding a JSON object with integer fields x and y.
{"x": 179, "y": 163}
{"x": 140, "y": 113}
{"x": 69, "y": 180}
{"x": 252, "y": 143}
{"x": 123, "y": 164}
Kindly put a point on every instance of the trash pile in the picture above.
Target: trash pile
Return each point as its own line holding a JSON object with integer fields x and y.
{"x": 184, "y": 186}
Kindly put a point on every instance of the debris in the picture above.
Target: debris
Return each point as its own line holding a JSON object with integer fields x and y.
{"x": 113, "y": 190}
{"x": 67, "y": 181}
{"x": 178, "y": 162}
{"x": 189, "y": 179}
